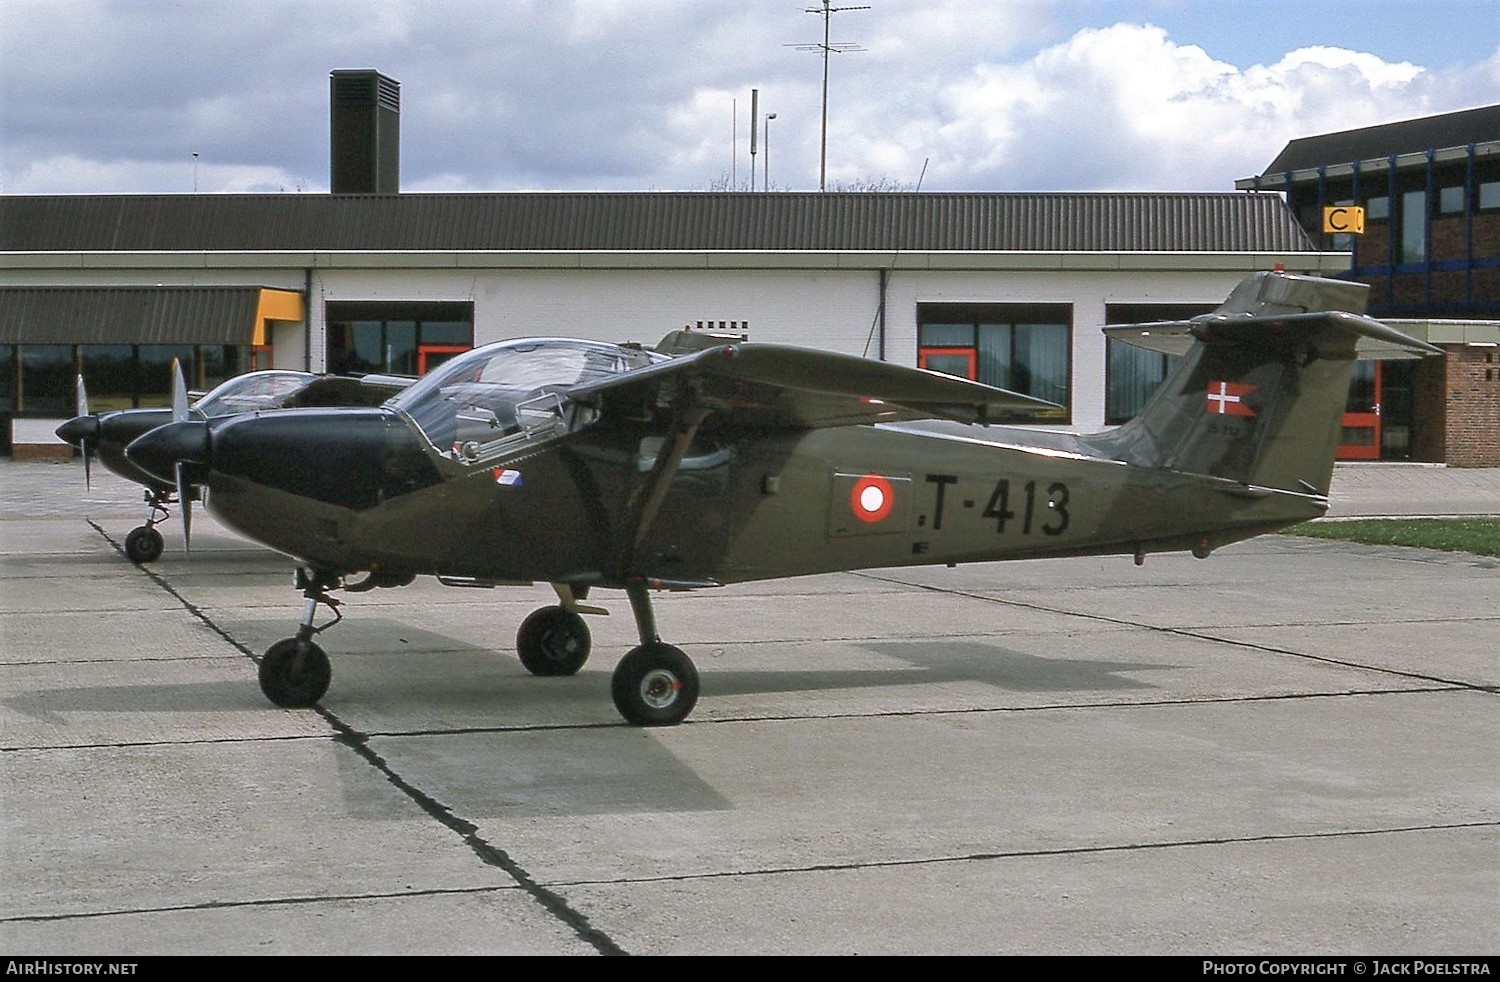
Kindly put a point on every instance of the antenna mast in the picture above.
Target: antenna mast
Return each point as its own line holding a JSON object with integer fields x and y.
{"x": 826, "y": 12}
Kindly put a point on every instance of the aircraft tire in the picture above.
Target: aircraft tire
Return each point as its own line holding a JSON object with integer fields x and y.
{"x": 553, "y": 641}
{"x": 144, "y": 545}
{"x": 294, "y": 673}
{"x": 655, "y": 685}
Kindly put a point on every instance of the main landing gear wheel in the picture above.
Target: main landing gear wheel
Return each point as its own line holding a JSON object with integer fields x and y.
{"x": 294, "y": 673}
{"x": 655, "y": 685}
{"x": 553, "y": 641}
{"x": 144, "y": 545}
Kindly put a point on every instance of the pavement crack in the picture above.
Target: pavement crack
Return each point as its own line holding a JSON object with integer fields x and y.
{"x": 345, "y": 734}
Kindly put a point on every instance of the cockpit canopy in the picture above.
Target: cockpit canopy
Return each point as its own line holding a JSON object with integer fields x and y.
{"x": 248, "y": 393}
{"x": 486, "y": 395}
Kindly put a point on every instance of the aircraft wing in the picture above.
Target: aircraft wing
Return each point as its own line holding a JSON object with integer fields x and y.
{"x": 767, "y": 386}
{"x": 1372, "y": 339}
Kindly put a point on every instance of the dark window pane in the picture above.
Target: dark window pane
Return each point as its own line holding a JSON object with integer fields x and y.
{"x": 218, "y": 362}
{"x": 156, "y": 371}
{"x": 47, "y": 379}
{"x": 7, "y": 379}
{"x": 108, "y": 375}
{"x": 946, "y": 335}
{"x": 447, "y": 332}
{"x": 1362, "y": 388}
{"x": 996, "y": 366}
{"x": 400, "y": 347}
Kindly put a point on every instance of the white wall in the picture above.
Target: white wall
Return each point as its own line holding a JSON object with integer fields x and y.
{"x": 829, "y": 309}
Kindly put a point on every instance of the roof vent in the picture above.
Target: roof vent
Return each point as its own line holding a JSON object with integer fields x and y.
{"x": 365, "y": 116}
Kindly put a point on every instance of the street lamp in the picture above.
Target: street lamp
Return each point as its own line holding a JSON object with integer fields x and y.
{"x": 767, "y": 142}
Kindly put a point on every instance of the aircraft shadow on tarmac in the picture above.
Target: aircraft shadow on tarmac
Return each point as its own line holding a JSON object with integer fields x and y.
{"x": 390, "y": 665}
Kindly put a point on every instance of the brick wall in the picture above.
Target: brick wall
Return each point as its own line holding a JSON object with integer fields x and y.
{"x": 1429, "y": 424}
{"x": 1472, "y": 406}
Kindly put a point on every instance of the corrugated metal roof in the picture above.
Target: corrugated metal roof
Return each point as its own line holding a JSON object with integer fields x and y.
{"x": 1444, "y": 132}
{"x": 653, "y": 221}
{"x": 127, "y": 315}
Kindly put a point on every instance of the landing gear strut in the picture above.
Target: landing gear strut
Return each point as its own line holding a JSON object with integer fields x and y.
{"x": 294, "y": 672}
{"x": 144, "y": 544}
{"x": 655, "y": 684}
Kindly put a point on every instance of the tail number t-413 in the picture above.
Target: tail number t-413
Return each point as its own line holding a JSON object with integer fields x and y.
{"x": 999, "y": 505}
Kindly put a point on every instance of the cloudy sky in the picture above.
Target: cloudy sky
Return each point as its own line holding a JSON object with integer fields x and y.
{"x": 116, "y": 96}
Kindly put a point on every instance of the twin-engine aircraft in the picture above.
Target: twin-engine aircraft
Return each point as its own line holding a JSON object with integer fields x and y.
{"x": 700, "y": 462}
{"x": 109, "y": 433}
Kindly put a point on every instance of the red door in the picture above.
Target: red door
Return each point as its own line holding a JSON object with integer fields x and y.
{"x": 1359, "y": 436}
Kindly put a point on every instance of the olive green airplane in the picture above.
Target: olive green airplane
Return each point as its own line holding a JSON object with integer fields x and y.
{"x": 702, "y": 462}
{"x": 109, "y": 433}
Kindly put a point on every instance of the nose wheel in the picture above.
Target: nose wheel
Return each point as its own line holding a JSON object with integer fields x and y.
{"x": 295, "y": 672}
{"x": 144, "y": 543}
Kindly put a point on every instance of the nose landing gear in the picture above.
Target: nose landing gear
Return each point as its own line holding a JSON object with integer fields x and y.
{"x": 295, "y": 672}
{"x": 144, "y": 543}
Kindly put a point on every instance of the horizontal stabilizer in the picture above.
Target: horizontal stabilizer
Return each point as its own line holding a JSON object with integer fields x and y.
{"x": 1277, "y": 310}
{"x": 769, "y": 386}
{"x": 1330, "y": 332}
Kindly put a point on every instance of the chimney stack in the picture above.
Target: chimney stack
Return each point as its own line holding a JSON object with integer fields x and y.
{"x": 365, "y": 113}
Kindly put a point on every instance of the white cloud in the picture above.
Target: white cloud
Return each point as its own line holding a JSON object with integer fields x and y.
{"x": 80, "y": 175}
{"x": 637, "y": 94}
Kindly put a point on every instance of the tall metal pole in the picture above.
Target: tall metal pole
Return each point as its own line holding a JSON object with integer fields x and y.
{"x": 823, "y": 153}
{"x": 767, "y": 141}
{"x": 826, "y": 12}
{"x": 754, "y": 119}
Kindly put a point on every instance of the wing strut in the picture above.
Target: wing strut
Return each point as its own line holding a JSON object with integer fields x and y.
{"x": 645, "y": 501}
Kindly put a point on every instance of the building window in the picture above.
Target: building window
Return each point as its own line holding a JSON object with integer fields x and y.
{"x": 109, "y": 375}
{"x": 117, "y": 376}
{"x": 154, "y": 371}
{"x": 7, "y": 382}
{"x": 45, "y": 384}
{"x": 1451, "y": 200}
{"x": 1026, "y": 348}
{"x": 1131, "y": 374}
{"x": 1378, "y": 208}
{"x": 1413, "y": 227}
{"x": 1489, "y": 195}
{"x": 398, "y": 338}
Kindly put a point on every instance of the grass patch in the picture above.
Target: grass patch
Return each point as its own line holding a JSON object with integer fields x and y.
{"x": 1477, "y": 535}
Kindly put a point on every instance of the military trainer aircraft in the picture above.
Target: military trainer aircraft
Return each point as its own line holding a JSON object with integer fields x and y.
{"x": 109, "y": 433}
{"x": 588, "y": 465}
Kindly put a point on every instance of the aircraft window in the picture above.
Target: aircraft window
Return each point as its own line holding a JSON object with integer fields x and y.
{"x": 511, "y": 389}
{"x": 246, "y": 393}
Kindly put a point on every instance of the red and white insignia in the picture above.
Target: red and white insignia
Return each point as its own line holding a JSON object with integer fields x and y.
{"x": 507, "y": 478}
{"x": 872, "y": 498}
{"x": 1228, "y": 398}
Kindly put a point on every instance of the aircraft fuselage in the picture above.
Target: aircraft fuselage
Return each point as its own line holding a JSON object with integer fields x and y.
{"x": 372, "y": 494}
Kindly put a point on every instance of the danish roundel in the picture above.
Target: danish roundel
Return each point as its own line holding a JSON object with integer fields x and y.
{"x": 872, "y": 498}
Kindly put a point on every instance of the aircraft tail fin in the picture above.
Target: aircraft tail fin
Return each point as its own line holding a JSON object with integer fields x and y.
{"x": 1262, "y": 384}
